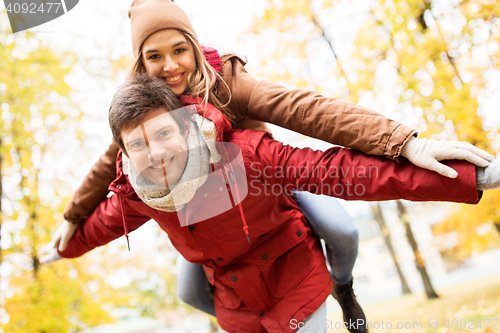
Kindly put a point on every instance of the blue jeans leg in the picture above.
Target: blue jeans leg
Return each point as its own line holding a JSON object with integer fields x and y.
{"x": 315, "y": 323}
{"x": 330, "y": 222}
{"x": 193, "y": 287}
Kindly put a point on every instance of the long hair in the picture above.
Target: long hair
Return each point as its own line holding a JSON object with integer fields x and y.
{"x": 202, "y": 82}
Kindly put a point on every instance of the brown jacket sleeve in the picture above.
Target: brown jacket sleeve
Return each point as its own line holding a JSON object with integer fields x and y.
{"x": 94, "y": 188}
{"x": 254, "y": 102}
{"x": 309, "y": 113}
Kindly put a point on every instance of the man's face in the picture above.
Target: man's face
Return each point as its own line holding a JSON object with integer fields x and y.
{"x": 157, "y": 148}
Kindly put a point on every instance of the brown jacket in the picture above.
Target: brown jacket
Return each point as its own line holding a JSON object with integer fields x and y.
{"x": 254, "y": 102}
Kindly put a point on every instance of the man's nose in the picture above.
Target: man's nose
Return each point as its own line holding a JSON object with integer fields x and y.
{"x": 170, "y": 65}
{"x": 156, "y": 151}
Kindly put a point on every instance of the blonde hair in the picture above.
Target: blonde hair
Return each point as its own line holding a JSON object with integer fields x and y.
{"x": 202, "y": 82}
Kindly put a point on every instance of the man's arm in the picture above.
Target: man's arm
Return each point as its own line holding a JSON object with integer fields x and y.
{"x": 104, "y": 225}
{"x": 352, "y": 175}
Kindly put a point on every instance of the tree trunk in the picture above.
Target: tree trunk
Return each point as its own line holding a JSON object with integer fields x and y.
{"x": 330, "y": 44}
{"x": 379, "y": 217}
{"x": 34, "y": 254}
{"x": 31, "y": 201}
{"x": 496, "y": 223}
{"x": 403, "y": 215}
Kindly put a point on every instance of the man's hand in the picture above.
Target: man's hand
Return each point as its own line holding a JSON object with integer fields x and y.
{"x": 61, "y": 238}
{"x": 427, "y": 154}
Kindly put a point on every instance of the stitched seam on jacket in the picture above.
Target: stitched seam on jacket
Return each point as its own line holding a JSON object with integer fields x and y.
{"x": 389, "y": 139}
{"x": 301, "y": 114}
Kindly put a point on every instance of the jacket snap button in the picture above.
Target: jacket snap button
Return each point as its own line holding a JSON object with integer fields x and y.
{"x": 261, "y": 313}
{"x": 265, "y": 257}
{"x": 234, "y": 278}
{"x": 220, "y": 259}
{"x": 220, "y": 189}
{"x": 118, "y": 186}
{"x": 191, "y": 227}
{"x": 205, "y": 194}
{"x": 299, "y": 233}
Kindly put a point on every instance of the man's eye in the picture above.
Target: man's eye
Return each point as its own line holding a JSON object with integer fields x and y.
{"x": 138, "y": 144}
{"x": 164, "y": 133}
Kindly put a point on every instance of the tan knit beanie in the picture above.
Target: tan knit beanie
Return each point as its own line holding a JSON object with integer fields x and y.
{"x": 150, "y": 16}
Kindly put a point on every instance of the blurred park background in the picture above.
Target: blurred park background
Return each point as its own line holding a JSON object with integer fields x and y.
{"x": 432, "y": 65}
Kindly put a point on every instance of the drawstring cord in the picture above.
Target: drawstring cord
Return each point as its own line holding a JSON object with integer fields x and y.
{"x": 232, "y": 178}
{"x": 124, "y": 223}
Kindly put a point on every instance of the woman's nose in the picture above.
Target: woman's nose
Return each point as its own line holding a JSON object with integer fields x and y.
{"x": 170, "y": 65}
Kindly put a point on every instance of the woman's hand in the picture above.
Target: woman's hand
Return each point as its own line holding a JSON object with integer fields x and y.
{"x": 60, "y": 240}
{"x": 427, "y": 154}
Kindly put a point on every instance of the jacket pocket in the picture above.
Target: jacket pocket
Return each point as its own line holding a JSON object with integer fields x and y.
{"x": 285, "y": 259}
{"x": 289, "y": 270}
{"x": 226, "y": 296}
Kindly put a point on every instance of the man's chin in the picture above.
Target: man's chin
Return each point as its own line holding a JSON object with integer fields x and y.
{"x": 158, "y": 178}
{"x": 161, "y": 182}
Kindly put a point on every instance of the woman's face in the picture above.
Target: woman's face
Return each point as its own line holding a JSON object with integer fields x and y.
{"x": 167, "y": 55}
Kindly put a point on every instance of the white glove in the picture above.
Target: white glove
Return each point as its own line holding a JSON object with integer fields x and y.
{"x": 427, "y": 154}
{"x": 61, "y": 237}
{"x": 50, "y": 254}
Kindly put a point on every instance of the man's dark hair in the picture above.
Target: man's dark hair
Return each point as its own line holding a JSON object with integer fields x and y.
{"x": 135, "y": 99}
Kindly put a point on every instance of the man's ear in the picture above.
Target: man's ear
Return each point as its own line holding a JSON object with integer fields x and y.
{"x": 186, "y": 128}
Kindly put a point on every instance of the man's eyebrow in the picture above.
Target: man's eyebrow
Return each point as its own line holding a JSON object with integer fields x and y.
{"x": 175, "y": 45}
{"x": 133, "y": 141}
{"x": 164, "y": 128}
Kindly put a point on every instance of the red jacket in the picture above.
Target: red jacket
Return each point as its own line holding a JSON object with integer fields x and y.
{"x": 281, "y": 275}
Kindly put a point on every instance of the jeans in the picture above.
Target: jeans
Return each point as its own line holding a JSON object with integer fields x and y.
{"x": 193, "y": 287}
{"x": 329, "y": 221}
{"x": 315, "y": 323}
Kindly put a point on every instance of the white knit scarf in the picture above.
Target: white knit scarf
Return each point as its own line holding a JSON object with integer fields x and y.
{"x": 202, "y": 152}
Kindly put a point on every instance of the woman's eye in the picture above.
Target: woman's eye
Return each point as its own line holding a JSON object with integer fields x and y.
{"x": 154, "y": 56}
{"x": 179, "y": 50}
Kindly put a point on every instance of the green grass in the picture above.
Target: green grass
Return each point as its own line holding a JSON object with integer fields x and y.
{"x": 464, "y": 307}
